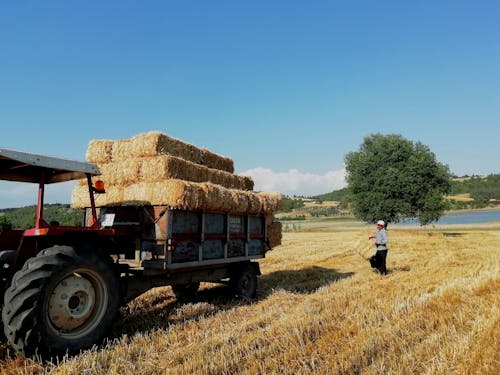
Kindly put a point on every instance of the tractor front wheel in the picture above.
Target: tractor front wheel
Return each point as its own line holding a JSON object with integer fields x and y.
{"x": 6, "y": 261}
{"x": 62, "y": 301}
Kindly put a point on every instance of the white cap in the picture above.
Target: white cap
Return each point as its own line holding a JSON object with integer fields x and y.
{"x": 381, "y": 222}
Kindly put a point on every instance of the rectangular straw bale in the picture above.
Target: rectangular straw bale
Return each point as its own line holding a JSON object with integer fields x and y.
{"x": 121, "y": 150}
{"x": 80, "y": 197}
{"x": 229, "y": 180}
{"x": 157, "y": 168}
{"x": 99, "y": 151}
{"x": 218, "y": 199}
{"x": 174, "y": 193}
{"x": 238, "y": 202}
{"x": 193, "y": 196}
{"x": 247, "y": 182}
{"x": 185, "y": 195}
{"x": 156, "y": 143}
{"x": 122, "y": 173}
{"x": 114, "y": 195}
{"x": 274, "y": 233}
{"x": 216, "y": 161}
{"x": 163, "y": 167}
{"x": 141, "y": 193}
{"x": 179, "y": 194}
{"x": 271, "y": 201}
{"x": 254, "y": 203}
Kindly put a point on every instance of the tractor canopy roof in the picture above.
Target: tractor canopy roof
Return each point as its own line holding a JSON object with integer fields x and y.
{"x": 26, "y": 167}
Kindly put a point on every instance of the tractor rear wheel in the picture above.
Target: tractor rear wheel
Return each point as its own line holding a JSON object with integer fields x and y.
{"x": 62, "y": 301}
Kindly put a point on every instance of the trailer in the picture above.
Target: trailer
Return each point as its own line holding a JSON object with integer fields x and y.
{"x": 163, "y": 246}
{"x": 61, "y": 286}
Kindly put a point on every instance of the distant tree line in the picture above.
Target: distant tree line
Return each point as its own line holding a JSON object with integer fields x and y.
{"x": 289, "y": 204}
{"x": 341, "y": 196}
{"x": 484, "y": 190}
{"x": 24, "y": 217}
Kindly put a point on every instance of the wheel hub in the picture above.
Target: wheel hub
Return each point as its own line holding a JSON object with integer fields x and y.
{"x": 71, "y": 303}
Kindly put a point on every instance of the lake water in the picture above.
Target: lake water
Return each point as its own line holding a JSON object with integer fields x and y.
{"x": 475, "y": 217}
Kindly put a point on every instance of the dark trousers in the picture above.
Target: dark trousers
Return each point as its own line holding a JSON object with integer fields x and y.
{"x": 378, "y": 261}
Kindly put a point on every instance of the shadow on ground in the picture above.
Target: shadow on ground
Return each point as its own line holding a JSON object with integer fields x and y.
{"x": 163, "y": 310}
{"x": 306, "y": 280}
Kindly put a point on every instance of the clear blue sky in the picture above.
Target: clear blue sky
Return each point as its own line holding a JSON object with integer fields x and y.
{"x": 275, "y": 85}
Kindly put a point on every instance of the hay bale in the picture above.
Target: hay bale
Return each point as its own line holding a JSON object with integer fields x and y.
{"x": 247, "y": 182}
{"x": 229, "y": 180}
{"x": 182, "y": 194}
{"x": 123, "y": 173}
{"x": 238, "y": 201}
{"x": 254, "y": 204}
{"x": 193, "y": 196}
{"x": 173, "y": 193}
{"x": 121, "y": 150}
{"x": 271, "y": 201}
{"x": 112, "y": 197}
{"x": 274, "y": 234}
{"x": 139, "y": 193}
{"x": 216, "y": 161}
{"x": 99, "y": 151}
{"x": 156, "y": 143}
{"x": 219, "y": 199}
{"x": 120, "y": 173}
{"x": 158, "y": 168}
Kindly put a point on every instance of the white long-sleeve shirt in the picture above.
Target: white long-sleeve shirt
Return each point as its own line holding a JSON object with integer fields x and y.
{"x": 381, "y": 239}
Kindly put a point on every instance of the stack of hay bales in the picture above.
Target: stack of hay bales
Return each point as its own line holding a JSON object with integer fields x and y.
{"x": 155, "y": 169}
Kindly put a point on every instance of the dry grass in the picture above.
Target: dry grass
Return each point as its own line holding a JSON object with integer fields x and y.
{"x": 460, "y": 197}
{"x": 321, "y": 310}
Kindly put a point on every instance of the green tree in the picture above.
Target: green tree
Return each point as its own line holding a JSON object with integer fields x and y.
{"x": 392, "y": 178}
{"x": 289, "y": 204}
{"x": 4, "y": 223}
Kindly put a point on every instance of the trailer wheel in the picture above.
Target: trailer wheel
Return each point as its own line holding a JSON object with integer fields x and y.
{"x": 244, "y": 280}
{"x": 185, "y": 292}
{"x": 6, "y": 261}
{"x": 62, "y": 301}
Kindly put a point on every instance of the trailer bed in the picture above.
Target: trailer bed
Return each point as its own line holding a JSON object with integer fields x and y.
{"x": 161, "y": 238}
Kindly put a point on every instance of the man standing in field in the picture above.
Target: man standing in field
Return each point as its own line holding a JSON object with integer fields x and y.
{"x": 378, "y": 260}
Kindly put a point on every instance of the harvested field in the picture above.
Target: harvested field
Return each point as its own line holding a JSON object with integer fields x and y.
{"x": 321, "y": 310}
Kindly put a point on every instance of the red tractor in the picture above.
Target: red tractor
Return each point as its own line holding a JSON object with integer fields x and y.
{"x": 61, "y": 286}
{"x": 57, "y": 283}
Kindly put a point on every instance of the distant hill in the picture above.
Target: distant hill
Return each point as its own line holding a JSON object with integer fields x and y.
{"x": 337, "y": 195}
{"x": 466, "y": 192}
{"x": 483, "y": 190}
